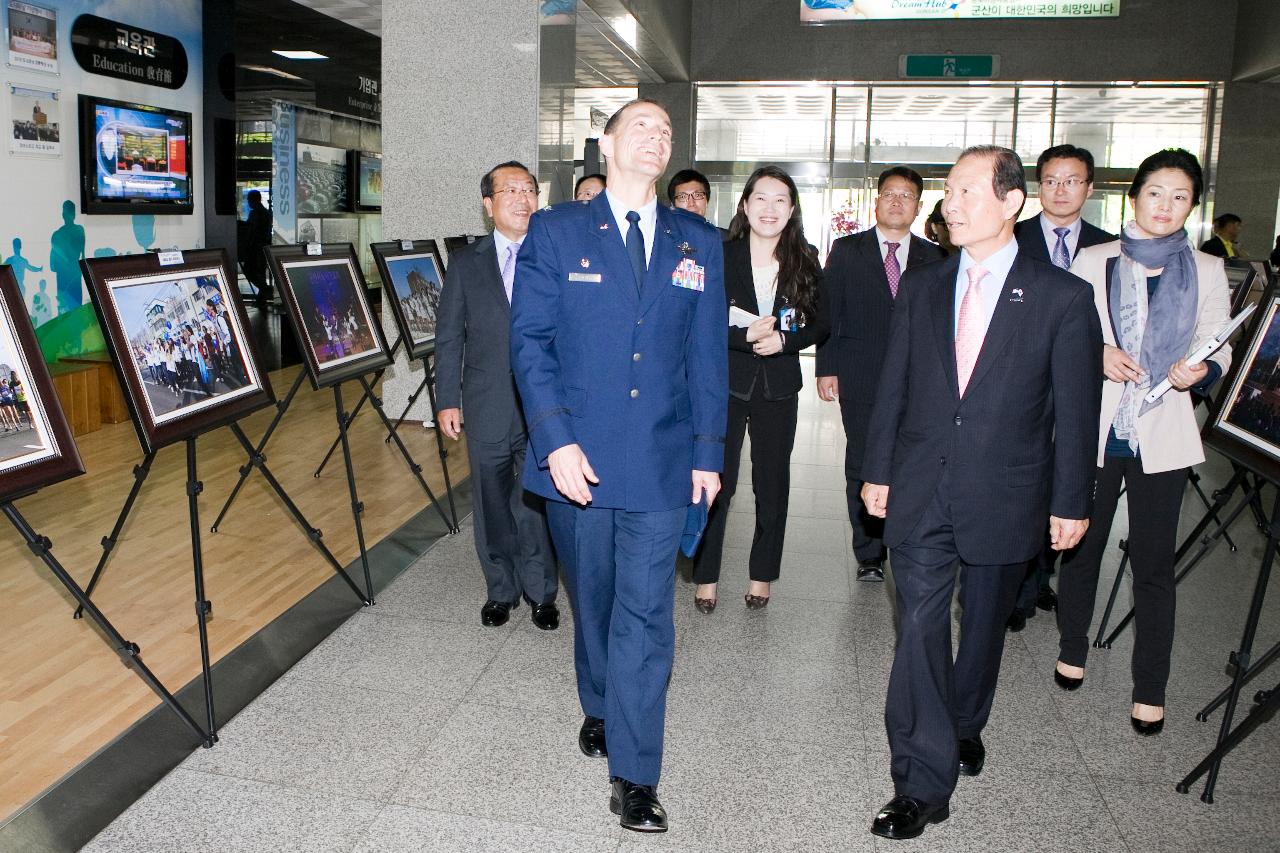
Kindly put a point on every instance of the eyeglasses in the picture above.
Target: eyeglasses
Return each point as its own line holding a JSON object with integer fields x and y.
{"x": 899, "y": 196}
{"x": 1070, "y": 183}
{"x": 512, "y": 193}
{"x": 699, "y": 195}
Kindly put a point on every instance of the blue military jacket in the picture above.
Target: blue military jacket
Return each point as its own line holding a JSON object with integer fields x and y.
{"x": 637, "y": 377}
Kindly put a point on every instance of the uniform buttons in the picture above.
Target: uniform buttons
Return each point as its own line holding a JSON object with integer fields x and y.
{"x": 942, "y": 461}
{"x": 635, "y": 356}
{"x": 640, "y": 322}
{"x": 958, "y": 422}
{"x": 635, "y": 392}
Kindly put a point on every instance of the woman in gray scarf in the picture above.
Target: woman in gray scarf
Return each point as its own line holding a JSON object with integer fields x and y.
{"x": 1158, "y": 300}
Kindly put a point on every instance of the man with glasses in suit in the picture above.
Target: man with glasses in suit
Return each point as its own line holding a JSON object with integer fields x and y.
{"x": 1056, "y": 234}
{"x": 473, "y": 374}
{"x": 690, "y": 190}
{"x": 862, "y": 278}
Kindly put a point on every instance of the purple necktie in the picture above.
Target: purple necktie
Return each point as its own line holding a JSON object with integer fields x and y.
{"x": 892, "y": 270}
{"x": 509, "y": 269}
{"x": 1061, "y": 254}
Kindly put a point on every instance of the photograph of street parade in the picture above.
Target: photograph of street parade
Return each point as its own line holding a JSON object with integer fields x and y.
{"x": 330, "y": 310}
{"x": 1252, "y": 410}
{"x": 185, "y": 344}
{"x": 416, "y": 284}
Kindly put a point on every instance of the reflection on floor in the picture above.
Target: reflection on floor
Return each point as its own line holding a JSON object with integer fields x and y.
{"x": 413, "y": 728}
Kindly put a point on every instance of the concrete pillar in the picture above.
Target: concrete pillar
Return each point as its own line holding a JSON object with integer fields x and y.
{"x": 460, "y": 95}
{"x": 1247, "y": 182}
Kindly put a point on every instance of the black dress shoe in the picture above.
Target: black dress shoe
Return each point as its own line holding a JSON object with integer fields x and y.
{"x": 972, "y": 755}
{"x": 1017, "y": 621}
{"x": 496, "y": 613}
{"x": 1047, "y": 600}
{"x": 1066, "y": 682}
{"x": 1147, "y": 729}
{"x": 546, "y": 616}
{"x": 906, "y": 817}
{"x": 591, "y": 738}
{"x": 871, "y": 572}
{"x": 637, "y": 806}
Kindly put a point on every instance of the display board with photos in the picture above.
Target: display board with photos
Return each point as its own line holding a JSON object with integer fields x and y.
{"x": 328, "y": 307}
{"x": 1245, "y": 422}
{"x": 412, "y": 280}
{"x": 180, "y": 341}
{"x": 36, "y": 447}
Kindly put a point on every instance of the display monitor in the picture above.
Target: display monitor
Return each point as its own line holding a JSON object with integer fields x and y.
{"x": 134, "y": 156}
{"x": 366, "y": 177}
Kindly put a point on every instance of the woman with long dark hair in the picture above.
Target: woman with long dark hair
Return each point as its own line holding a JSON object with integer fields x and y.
{"x": 771, "y": 271}
{"x": 1158, "y": 299}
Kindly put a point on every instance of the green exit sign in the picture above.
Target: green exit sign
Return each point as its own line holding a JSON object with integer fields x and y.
{"x": 946, "y": 66}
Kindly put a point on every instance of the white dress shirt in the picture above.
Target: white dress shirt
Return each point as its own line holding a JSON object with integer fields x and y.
{"x": 997, "y": 267}
{"x": 1051, "y": 239}
{"x": 903, "y": 245}
{"x": 648, "y": 221}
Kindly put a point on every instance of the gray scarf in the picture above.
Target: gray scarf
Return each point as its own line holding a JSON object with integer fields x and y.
{"x": 1160, "y": 332}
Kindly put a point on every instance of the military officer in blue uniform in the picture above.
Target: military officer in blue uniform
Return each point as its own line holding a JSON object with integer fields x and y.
{"x": 619, "y": 343}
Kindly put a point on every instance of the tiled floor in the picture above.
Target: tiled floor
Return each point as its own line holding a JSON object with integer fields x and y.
{"x": 412, "y": 728}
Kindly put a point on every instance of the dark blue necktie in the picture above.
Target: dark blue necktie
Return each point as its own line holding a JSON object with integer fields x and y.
{"x": 635, "y": 248}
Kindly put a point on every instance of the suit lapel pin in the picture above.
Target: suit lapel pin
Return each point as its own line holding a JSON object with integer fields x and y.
{"x": 1016, "y": 295}
{"x": 585, "y": 263}
{"x": 685, "y": 248}
{"x": 604, "y": 226}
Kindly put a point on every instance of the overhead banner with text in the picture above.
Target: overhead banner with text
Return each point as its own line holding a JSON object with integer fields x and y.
{"x": 836, "y": 11}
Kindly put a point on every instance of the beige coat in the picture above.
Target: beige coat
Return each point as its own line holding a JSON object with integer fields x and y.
{"x": 1168, "y": 437}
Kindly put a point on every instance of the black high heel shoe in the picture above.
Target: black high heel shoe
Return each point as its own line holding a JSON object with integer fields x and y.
{"x": 1147, "y": 728}
{"x": 1066, "y": 682}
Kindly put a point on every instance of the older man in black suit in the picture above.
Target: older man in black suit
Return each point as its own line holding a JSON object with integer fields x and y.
{"x": 473, "y": 374}
{"x": 1056, "y": 234}
{"x": 862, "y": 278}
{"x": 983, "y": 434}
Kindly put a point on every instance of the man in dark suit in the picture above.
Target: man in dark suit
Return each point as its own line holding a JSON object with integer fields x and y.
{"x": 984, "y": 433}
{"x": 1056, "y": 234}
{"x": 862, "y": 278}
{"x": 690, "y": 190}
{"x": 1226, "y": 236}
{"x": 473, "y": 373}
{"x": 619, "y": 342}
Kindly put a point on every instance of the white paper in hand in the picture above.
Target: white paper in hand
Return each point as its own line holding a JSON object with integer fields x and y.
{"x": 739, "y": 318}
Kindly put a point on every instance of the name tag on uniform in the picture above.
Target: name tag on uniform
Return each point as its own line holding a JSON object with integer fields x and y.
{"x": 689, "y": 275}
{"x": 593, "y": 277}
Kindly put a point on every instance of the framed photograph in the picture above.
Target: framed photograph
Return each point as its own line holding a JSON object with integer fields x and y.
{"x": 308, "y": 230}
{"x": 412, "y": 279}
{"x": 1245, "y": 422}
{"x": 453, "y": 244}
{"x": 322, "y": 179}
{"x": 36, "y": 113}
{"x": 33, "y": 36}
{"x": 179, "y": 338}
{"x": 329, "y": 311}
{"x": 36, "y": 447}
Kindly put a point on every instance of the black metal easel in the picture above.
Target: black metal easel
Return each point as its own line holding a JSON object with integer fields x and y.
{"x": 1250, "y": 500}
{"x": 1266, "y": 701}
{"x": 129, "y": 652}
{"x": 427, "y": 383}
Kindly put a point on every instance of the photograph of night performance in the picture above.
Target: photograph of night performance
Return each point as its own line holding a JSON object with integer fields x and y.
{"x": 185, "y": 344}
{"x": 336, "y": 316}
{"x": 1252, "y": 414}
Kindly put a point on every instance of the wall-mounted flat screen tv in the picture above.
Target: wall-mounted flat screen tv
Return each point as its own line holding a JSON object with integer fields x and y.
{"x": 134, "y": 156}
{"x": 366, "y": 177}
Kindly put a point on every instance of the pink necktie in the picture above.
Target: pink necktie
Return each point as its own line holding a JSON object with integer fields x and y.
{"x": 892, "y": 270}
{"x": 509, "y": 269}
{"x": 969, "y": 328}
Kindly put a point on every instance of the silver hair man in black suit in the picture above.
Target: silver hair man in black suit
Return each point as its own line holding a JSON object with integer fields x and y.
{"x": 983, "y": 435}
{"x": 473, "y": 375}
{"x": 863, "y": 274}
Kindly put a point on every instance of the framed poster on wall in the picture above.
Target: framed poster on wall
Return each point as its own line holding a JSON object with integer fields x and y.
{"x": 36, "y": 116}
{"x": 31, "y": 31}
